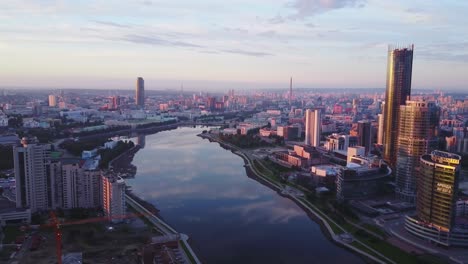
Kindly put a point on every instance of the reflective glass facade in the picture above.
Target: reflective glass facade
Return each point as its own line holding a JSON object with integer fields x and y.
{"x": 399, "y": 71}
{"x": 437, "y": 186}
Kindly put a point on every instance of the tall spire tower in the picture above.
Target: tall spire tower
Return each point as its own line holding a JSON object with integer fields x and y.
{"x": 290, "y": 91}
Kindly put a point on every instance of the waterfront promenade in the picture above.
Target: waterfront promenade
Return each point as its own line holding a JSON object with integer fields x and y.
{"x": 163, "y": 227}
{"x": 324, "y": 220}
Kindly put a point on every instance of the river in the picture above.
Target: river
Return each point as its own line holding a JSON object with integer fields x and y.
{"x": 203, "y": 191}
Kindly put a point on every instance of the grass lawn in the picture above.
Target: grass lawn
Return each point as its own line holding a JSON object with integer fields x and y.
{"x": 392, "y": 252}
{"x": 361, "y": 247}
{"x": 375, "y": 229}
{"x": 272, "y": 176}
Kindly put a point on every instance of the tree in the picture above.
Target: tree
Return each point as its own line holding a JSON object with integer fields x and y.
{"x": 6, "y": 157}
{"x": 15, "y": 121}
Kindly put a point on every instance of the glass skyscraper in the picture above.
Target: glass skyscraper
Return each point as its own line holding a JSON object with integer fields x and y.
{"x": 437, "y": 188}
{"x": 399, "y": 71}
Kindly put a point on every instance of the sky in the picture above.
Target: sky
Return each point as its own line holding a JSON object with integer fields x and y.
{"x": 234, "y": 44}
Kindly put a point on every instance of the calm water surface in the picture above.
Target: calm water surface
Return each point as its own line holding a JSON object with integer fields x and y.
{"x": 203, "y": 190}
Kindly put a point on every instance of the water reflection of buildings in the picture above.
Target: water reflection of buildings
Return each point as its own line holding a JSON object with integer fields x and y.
{"x": 141, "y": 140}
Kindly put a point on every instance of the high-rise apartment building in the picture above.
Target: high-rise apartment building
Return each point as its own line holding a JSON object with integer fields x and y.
{"x": 113, "y": 191}
{"x": 35, "y": 179}
{"x": 365, "y": 135}
{"x": 52, "y": 100}
{"x": 70, "y": 179}
{"x": 140, "y": 92}
{"x": 80, "y": 188}
{"x": 211, "y": 103}
{"x": 417, "y": 135}
{"x": 313, "y": 124}
{"x": 115, "y": 102}
{"x": 380, "y": 129}
{"x": 399, "y": 71}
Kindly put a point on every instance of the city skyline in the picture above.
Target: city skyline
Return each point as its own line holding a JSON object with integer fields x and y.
{"x": 206, "y": 46}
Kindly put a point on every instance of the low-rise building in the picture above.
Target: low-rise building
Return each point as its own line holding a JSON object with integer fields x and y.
{"x": 9, "y": 139}
{"x": 15, "y": 215}
{"x": 289, "y": 159}
{"x": 266, "y": 132}
{"x": 362, "y": 178}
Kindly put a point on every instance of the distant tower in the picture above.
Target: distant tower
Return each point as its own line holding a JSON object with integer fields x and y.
{"x": 290, "y": 91}
{"x": 417, "y": 135}
{"x": 313, "y": 127}
{"x": 115, "y": 102}
{"x": 52, "y": 100}
{"x": 380, "y": 129}
{"x": 399, "y": 71}
{"x": 140, "y": 92}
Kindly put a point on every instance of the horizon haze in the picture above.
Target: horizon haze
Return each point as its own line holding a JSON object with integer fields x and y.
{"x": 209, "y": 45}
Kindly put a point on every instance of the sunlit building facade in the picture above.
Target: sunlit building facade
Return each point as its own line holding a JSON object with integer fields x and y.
{"x": 399, "y": 71}
{"x": 417, "y": 135}
{"x": 313, "y": 123}
{"x": 380, "y": 129}
{"x": 113, "y": 197}
{"x": 52, "y": 100}
{"x": 437, "y": 190}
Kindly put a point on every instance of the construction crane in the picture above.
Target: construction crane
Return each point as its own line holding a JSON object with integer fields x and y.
{"x": 57, "y": 226}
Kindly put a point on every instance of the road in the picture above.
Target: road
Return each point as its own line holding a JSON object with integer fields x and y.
{"x": 397, "y": 229}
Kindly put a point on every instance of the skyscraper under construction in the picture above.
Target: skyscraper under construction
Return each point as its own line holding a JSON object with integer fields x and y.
{"x": 417, "y": 136}
{"x": 399, "y": 71}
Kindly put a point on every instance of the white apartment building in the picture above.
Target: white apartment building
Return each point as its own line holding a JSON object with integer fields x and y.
{"x": 113, "y": 192}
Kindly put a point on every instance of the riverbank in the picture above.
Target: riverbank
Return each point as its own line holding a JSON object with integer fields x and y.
{"x": 148, "y": 130}
{"x": 333, "y": 229}
{"x": 164, "y": 228}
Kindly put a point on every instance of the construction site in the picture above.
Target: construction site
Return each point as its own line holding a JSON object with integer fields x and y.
{"x": 86, "y": 242}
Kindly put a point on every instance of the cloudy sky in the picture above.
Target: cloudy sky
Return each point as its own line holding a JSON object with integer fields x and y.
{"x": 243, "y": 44}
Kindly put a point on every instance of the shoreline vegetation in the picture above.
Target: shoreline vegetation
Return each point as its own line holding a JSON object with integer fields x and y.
{"x": 365, "y": 242}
